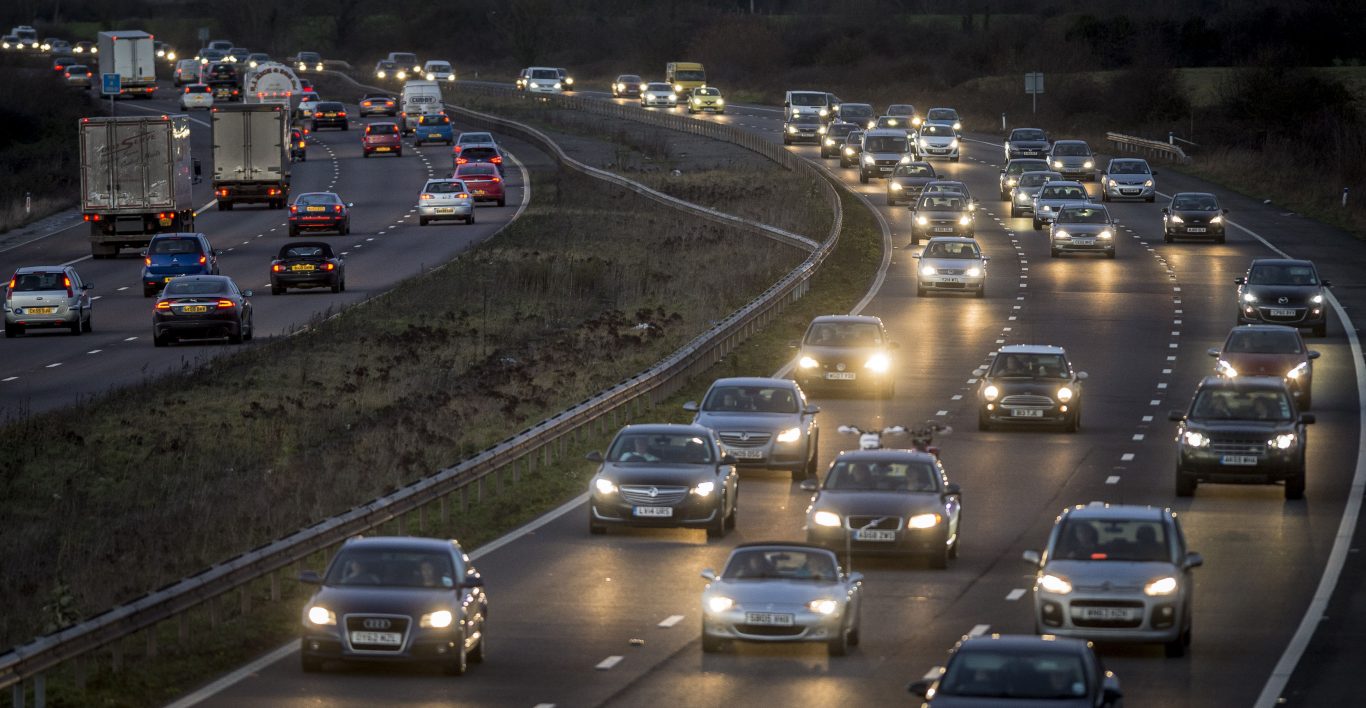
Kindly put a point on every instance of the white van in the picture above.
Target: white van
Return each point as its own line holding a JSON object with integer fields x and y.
{"x": 543, "y": 79}
{"x": 810, "y": 103}
{"x": 420, "y": 97}
{"x": 438, "y": 71}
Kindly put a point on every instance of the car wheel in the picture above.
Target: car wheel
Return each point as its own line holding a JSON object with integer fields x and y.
{"x": 839, "y": 646}
{"x": 476, "y": 655}
{"x": 1219, "y": 239}
{"x": 891, "y": 202}
{"x": 336, "y": 287}
{"x": 920, "y": 291}
{"x": 251, "y": 330}
{"x": 75, "y": 327}
{"x": 1110, "y": 255}
{"x": 939, "y": 560}
{"x": 983, "y": 422}
{"x": 310, "y": 664}
{"x": 1054, "y": 253}
{"x": 595, "y": 528}
{"x": 1167, "y": 238}
{"x": 1149, "y": 199}
{"x": 12, "y": 331}
{"x": 236, "y": 337}
{"x": 1073, "y": 423}
{"x": 293, "y": 231}
{"x": 161, "y": 340}
{"x": 89, "y": 326}
{"x": 398, "y": 153}
{"x": 786, "y": 141}
{"x": 1104, "y": 196}
{"x": 1294, "y": 487}
{"x": 148, "y": 292}
{"x": 862, "y": 177}
{"x": 730, "y": 518}
{"x": 343, "y": 284}
{"x": 502, "y": 201}
{"x": 423, "y": 221}
{"x": 459, "y": 661}
{"x": 1185, "y": 484}
{"x": 981, "y": 292}
{"x": 1013, "y": 211}
{"x": 470, "y": 219}
{"x": 1306, "y": 398}
{"x": 809, "y": 471}
{"x": 366, "y": 154}
{"x": 717, "y": 528}
{"x": 712, "y": 645}
{"x": 1176, "y": 648}
{"x": 953, "y": 159}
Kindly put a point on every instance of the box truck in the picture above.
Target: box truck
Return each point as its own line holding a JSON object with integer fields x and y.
{"x": 251, "y": 155}
{"x": 135, "y": 180}
{"x": 130, "y": 54}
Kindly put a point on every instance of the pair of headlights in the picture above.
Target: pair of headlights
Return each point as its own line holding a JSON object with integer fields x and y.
{"x": 1157, "y": 587}
{"x": 323, "y": 617}
{"x": 606, "y": 486}
{"x": 1195, "y": 438}
{"x": 973, "y": 272}
{"x": 992, "y": 392}
{"x": 878, "y": 363}
{"x": 830, "y": 519}
{"x": 721, "y": 603}
{"x": 963, "y": 220}
{"x": 1104, "y": 235}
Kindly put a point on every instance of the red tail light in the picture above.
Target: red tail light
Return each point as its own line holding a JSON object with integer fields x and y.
{"x": 226, "y": 303}
{"x": 341, "y": 114}
{"x": 337, "y": 208}
{"x": 497, "y": 179}
{"x": 276, "y": 268}
{"x": 329, "y": 266}
{"x": 147, "y": 260}
{"x": 461, "y": 161}
{"x": 203, "y": 260}
{"x": 68, "y": 74}
{"x": 222, "y": 192}
{"x": 163, "y": 304}
{"x": 497, "y": 160}
{"x": 294, "y": 210}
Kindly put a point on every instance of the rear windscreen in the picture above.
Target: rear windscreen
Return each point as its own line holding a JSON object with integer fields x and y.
{"x": 31, "y": 282}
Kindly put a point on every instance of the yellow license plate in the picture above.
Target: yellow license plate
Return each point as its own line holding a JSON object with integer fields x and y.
{"x": 41, "y": 310}
{"x": 195, "y": 308}
{"x": 167, "y": 279}
{"x": 381, "y": 149}
{"x": 317, "y": 208}
{"x": 165, "y": 222}
{"x": 303, "y": 267}
{"x": 329, "y": 115}
{"x": 478, "y": 191}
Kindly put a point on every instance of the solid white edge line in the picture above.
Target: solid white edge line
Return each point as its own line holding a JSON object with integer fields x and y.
{"x": 217, "y": 686}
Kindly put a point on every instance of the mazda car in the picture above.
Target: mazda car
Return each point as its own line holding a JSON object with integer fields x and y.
{"x": 1283, "y": 291}
{"x": 310, "y": 264}
{"x": 1001, "y": 670}
{"x": 951, "y": 264}
{"x": 1193, "y": 215}
{"x": 1026, "y": 142}
{"x": 1082, "y": 229}
{"x": 1128, "y": 178}
{"x": 762, "y": 423}
{"x": 201, "y": 307}
{"x": 1268, "y": 350}
{"x": 319, "y": 211}
{"x": 1030, "y": 384}
{"x": 846, "y": 352}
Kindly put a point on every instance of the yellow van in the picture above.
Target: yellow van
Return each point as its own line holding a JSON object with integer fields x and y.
{"x": 685, "y": 76}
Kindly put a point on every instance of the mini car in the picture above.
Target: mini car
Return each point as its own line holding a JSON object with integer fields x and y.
{"x": 1283, "y": 291}
{"x": 706, "y": 98}
{"x": 1030, "y": 384}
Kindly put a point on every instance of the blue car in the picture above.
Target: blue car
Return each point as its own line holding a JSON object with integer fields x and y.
{"x": 173, "y": 254}
{"x": 435, "y": 128}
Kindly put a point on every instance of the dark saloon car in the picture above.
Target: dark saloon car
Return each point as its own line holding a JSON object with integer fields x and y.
{"x": 627, "y": 86}
{"x": 802, "y": 129}
{"x": 1082, "y": 229}
{"x": 378, "y": 105}
{"x": 906, "y": 182}
{"x": 998, "y": 671}
{"x": 1030, "y": 384}
{"x": 887, "y": 502}
{"x": 174, "y": 254}
{"x": 1246, "y": 429}
{"x": 833, "y": 138}
{"x": 1193, "y": 215}
{"x": 310, "y": 264}
{"x": 846, "y": 351}
{"x": 396, "y": 599}
{"x": 763, "y": 423}
{"x": 202, "y": 306}
{"x": 1269, "y": 350}
{"x": 664, "y": 475}
{"x": 1285, "y": 292}
{"x": 851, "y": 149}
{"x": 1026, "y": 142}
{"x": 330, "y": 114}
{"x": 941, "y": 214}
{"x": 319, "y": 211}
{"x": 1010, "y": 174}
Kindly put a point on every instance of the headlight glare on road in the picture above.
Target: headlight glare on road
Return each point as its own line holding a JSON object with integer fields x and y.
{"x": 1160, "y": 586}
{"x": 1195, "y": 438}
{"x": 826, "y": 518}
{"x": 991, "y": 392}
{"x": 321, "y": 616}
{"x": 1055, "y": 584}
{"x": 440, "y": 619}
{"x": 604, "y": 486}
{"x": 790, "y": 435}
{"x": 719, "y": 603}
{"x": 808, "y": 363}
{"x": 704, "y": 489}
{"x": 878, "y": 363}
{"x": 1300, "y": 369}
{"x": 928, "y": 270}
{"x": 1284, "y": 441}
{"x": 924, "y": 521}
{"x": 1065, "y": 394}
{"x": 823, "y": 607}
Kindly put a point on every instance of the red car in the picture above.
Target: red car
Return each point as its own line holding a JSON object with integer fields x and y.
{"x": 319, "y": 211}
{"x": 483, "y": 181}
{"x": 382, "y": 137}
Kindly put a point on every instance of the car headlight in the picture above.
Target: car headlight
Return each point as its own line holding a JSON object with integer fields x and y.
{"x": 792, "y": 129}
{"x": 905, "y": 159}
{"x": 790, "y": 435}
{"x": 922, "y": 220}
{"x": 1060, "y": 233}
{"x": 823, "y": 112}
{"x": 558, "y": 85}
{"x": 404, "y": 75}
{"x": 1226, "y": 369}
{"x": 924, "y": 143}
{"x": 1284, "y": 441}
{"x": 964, "y": 220}
{"x": 1148, "y": 183}
{"x": 1021, "y": 197}
{"x": 1011, "y": 182}
{"x": 821, "y": 130}
{"x": 823, "y": 607}
{"x": 569, "y": 80}
{"x": 1065, "y": 394}
{"x": 431, "y": 76}
{"x": 604, "y": 486}
{"x": 321, "y": 616}
{"x": 1300, "y": 369}
{"x": 829, "y": 142}
{"x": 916, "y": 121}
{"x": 957, "y": 125}
{"x": 1057, "y": 164}
{"x": 808, "y": 363}
{"x": 895, "y": 186}
{"x": 678, "y": 87}
{"x": 719, "y": 603}
{"x": 928, "y": 270}
{"x": 975, "y": 272}
{"x": 1317, "y": 299}
{"x": 1055, "y": 584}
{"x": 826, "y": 518}
{"x": 318, "y": 67}
{"x": 878, "y": 363}
{"x": 1195, "y": 438}
{"x": 953, "y": 144}
{"x": 1249, "y": 297}
{"x": 720, "y": 101}
{"x": 1088, "y": 164}
{"x": 1215, "y": 220}
{"x": 849, "y": 151}
{"x": 380, "y": 74}
{"x": 673, "y": 97}
{"x": 1178, "y": 220}
{"x": 1045, "y": 207}
{"x": 1160, "y": 586}
{"x": 440, "y": 619}
{"x": 704, "y": 489}
{"x": 924, "y": 521}
{"x": 869, "y": 159}
{"x": 1106, "y": 234}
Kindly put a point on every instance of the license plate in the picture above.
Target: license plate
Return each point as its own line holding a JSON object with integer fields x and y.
{"x": 390, "y": 639}
{"x": 768, "y": 618}
{"x": 329, "y": 115}
{"x": 874, "y": 535}
{"x": 167, "y": 279}
{"x": 381, "y": 149}
{"x": 1196, "y": 230}
{"x": 480, "y": 192}
{"x": 950, "y": 280}
{"x": 654, "y": 511}
{"x": 1282, "y": 313}
{"x": 1239, "y": 460}
{"x": 943, "y": 229}
{"x": 195, "y": 308}
{"x": 745, "y": 453}
{"x": 305, "y": 266}
{"x": 41, "y": 310}
{"x": 445, "y": 210}
{"x": 317, "y": 208}
{"x": 164, "y": 222}
{"x": 1107, "y": 613}
{"x": 841, "y": 376}
{"x": 1083, "y": 242}
{"x": 1026, "y": 413}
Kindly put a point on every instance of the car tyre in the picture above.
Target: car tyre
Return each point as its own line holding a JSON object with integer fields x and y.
{"x": 236, "y": 337}
{"x": 953, "y": 159}
{"x": 161, "y": 340}
{"x": 717, "y": 528}
{"x": 1306, "y": 399}
{"x": 470, "y": 219}
{"x": 459, "y": 662}
{"x": 89, "y": 326}
{"x": 293, "y": 231}
{"x": 594, "y": 528}
{"x": 337, "y": 286}
{"x": 1294, "y": 487}
{"x": 277, "y": 290}
{"x": 1038, "y": 225}
{"x": 1176, "y": 648}
{"x": 423, "y": 221}
{"x": 1054, "y": 253}
{"x": 1219, "y": 239}
{"x": 1150, "y": 199}
{"x": 839, "y": 646}
{"x": 502, "y": 201}
{"x": 1014, "y": 212}
{"x": 981, "y": 292}
{"x": 862, "y": 177}
{"x": 712, "y": 645}
{"x": 983, "y": 422}
{"x": 1185, "y": 484}
{"x": 76, "y": 327}
{"x": 1167, "y": 238}
{"x": 891, "y": 202}
{"x": 1073, "y": 423}
{"x": 476, "y": 655}
{"x": 939, "y": 560}
{"x": 12, "y": 331}
{"x": 920, "y": 291}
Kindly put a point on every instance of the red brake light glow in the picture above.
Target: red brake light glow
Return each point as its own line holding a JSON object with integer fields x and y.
{"x": 226, "y": 303}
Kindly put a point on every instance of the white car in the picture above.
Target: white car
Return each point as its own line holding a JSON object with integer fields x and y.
{"x": 937, "y": 141}
{"x": 438, "y": 71}
{"x": 658, "y": 93}
{"x": 543, "y": 79}
{"x": 308, "y": 104}
{"x": 196, "y": 96}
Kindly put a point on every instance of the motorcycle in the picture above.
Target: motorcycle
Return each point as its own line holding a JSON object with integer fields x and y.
{"x": 871, "y": 439}
{"x": 922, "y": 436}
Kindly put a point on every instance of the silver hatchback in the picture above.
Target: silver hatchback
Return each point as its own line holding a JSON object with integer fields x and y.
{"x": 47, "y": 297}
{"x": 445, "y": 199}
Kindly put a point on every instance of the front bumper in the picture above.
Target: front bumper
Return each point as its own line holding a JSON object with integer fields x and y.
{"x": 157, "y": 279}
{"x": 943, "y": 229}
{"x": 691, "y": 511}
{"x": 802, "y": 136}
{"x": 952, "y": 282}
{"x": 1082, "y": 244}
{"x": 1206, "y": 230}
{"x": 318, "y": 224}
{"x": 807, "y": 626}
{"x": 1136, "y": 192}
{"x": 1114, "y": 617}
{"x": 1034, "y": 411}
{"x": 907, "y": 542}
{"x": 419, "y": 645}
{"x": 1310, "y": 315}
{"x": 435, "y": 136}
{"x": 1271, "y": 465}
{"x": 819, "y": 378}
{"x": 943, "y": 153}
{"x": 648, "y": 100}
{"x": 208, "y": 325}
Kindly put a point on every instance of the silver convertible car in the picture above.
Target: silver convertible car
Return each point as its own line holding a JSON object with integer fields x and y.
{"x": 782, "y": 592}
{"x": 763, "y": 423}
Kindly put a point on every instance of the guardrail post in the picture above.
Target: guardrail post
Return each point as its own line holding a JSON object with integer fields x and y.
{"x": 78, "y": 672}
{"x": 40, "y": 691}
{"x": 212, "y": 604}
{"x": 275, "y": 586}
{"x": 152, "y": 641}
{"x": 184, "y": 622}
{"x": 17, "y": 695}
{"x": 442, "y": 517}
{"x": 422, "y": 519}
{"x": 479, "y": 491}
{"x": 116, "y": 655}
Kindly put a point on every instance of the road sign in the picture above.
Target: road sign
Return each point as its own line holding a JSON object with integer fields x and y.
{"x": 1034, "y": 82}
{"x": 111, "y": 84}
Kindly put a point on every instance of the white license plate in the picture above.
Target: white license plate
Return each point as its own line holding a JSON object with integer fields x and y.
{"x": 768, "y": 618}
{"x": 841, "y": 376}
{"x": 943, "y": 229}
{"x": 445, "y": 210}
{"x": 1196, "y": 230}
{"x": 1282, "y": 313}
{"x": 388, "y": 639}
{"x": 745, "y": 453}
{"x": 1026, "y": 413}
{"x": 874, "y": 535}
{"x": 654, "y": 511}
{"x": 1241, "y": 460}
{"x": 1107, "y": 613}
{"x": 1083, "y": 242}
{"x": 950, "y": 280}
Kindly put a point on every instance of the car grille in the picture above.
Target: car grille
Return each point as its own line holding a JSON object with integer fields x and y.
{"x": 951, "y": 271}
{"x": 764, "y": 630}
{"x": 356, "y": 623}
{"x": 1112, "y": 624}
{"x": 1268, "y": 316}
{"x": 1240, "y": 445}
{"x": 886, "y": 163}
{"x": 745, "y": 439}
{"x": 884, "y": 523}
{"x": 1027, "y": 399}
{"x": 639, "y": 495}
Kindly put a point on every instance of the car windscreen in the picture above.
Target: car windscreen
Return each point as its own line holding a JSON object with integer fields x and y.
{"x": 1129, "y": 167}
{"x": 1071, "y": 150}
{"x": 168, "y": 246}
{"x": 36, "y": 282}
{"x": 439, "y": 67}
{"x": 445, "y": 188}
{"x": 891, "y": 122}
{"x": 1282, "y": 275}
{"x": 405, "y": 58}
{"x": 880, "y": 476}
{"x": 1027, "y": 134}
{"x": 545, "y": 74}
{"x": 433, "y": 120}
{"x": 476, "y": 138}
{"x": 317, "y": 200}
{"x": 1029, "y": 366}
{"x": 781, "y": 564}
{"x": 844, "y": 334}
{"x": 1063, "y": 192}
{"x": 941, "y": 114}
{"x": 1195, "y": 202}
{"x": 855, "y": 137}
{"x": 952, "y": 249}
{"x": 391, "y": 568}
{"x": 900, "y": 109}
{"x": 676, "y": 448}
{"x": 1132, "y": 540}
{"x": 196, "y": 287}
{"x": 1003, "y": 674}
{"x": 1260, "y": 341}
{"x": 802, "y": 98}
{"x": 943, "y": 202}
{"x": 629, "y": 79}
{"x": 706, "y": 92}
{"x": 657, "y": 86}
{"x": 1083, "y": 215}
{"x": 1227, "y": 403}
{"x": 690, "y": 75}
{"x": 306, "y": 251}
{"x": 883, "y": 143}
{"x": 914, "y": 171}
{"x": 839, "y": 130}
{"x": 937, "y": 131}
{"x": 1036, "y": 179}
{"x": 1017, "y": 167}
{"x": 751, "y": 399}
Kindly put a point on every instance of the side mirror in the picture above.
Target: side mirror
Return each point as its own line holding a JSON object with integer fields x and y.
{"x": 979, "y": 373}
{"x": 915, "y": 255}
{"x": 350, "y": 204}
{"x": 856, "y": 577}
{"x": 1307, "y": 419}
{"x": 986, "y": 258}
{"x": 594, "y": 456}
{"x": 808, "y": 485}
{"x": 1194, "y": 560}
{"x": 1003, "y": 170}
{"x": 690, "y": 406}
{"x": 1165, "y": 210}
{"x": 708, "y": 574}
{"x": 1176, "y": 416}
{"x": 143, "y": 253}
{"x": 1240, "y": 281}
{"x": 919, "y": 688}
{"x": 1032, "y": 557}
{"x": 1212, "y": 351}
{"x": 953, "y": 490}
{"x": 196, "y": 167}
{"x": 218, "y": 252}
{"x": 248, "y": 293}
{"x": 813, "y": 409}
{"x": 727, "y": 458}
{"x": 1082, "y": 375}
{"x": 1312, "y": 354}
{"x": 1327, "y": 283}
{"x": 310, "y": 577}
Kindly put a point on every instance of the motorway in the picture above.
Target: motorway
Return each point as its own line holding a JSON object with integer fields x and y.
{"x": 566, "y": 606}
{"x": 50, "y": 368}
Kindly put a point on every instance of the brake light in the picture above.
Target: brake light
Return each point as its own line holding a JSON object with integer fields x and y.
{"x": 329, "y": 266}
{"x": 497, "y": 179}
{"x": 68, "y": 74}
{"x": 203, "y": 260}
{"x": 463, "y": 195}
{"x": 226, "y": 303}
{"x": 222, "y": 192}
{"x": 293, "y": 209}
{"x": 457, "y": 149}
{"x": 12, "y": 283}
{"x": 67, "y": 282}
{"x": 163, "y": 304}
{"x": 337, "y": 208}
{"x": 426, "y": 196}
{"x": 461, "y": 161}
{"x": 147, "y": 260}
{"x": 497, "y": 160}
{"x": 341, "y": 114}
{"x": 276, "y": 268}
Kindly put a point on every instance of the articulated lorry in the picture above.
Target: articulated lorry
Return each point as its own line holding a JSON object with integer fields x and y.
{"x": 131, "y": 55}
{"x": 135, "y": 180}
{"x": 251, "y": 154}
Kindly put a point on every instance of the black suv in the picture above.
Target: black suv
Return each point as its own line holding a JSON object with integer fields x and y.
{"x": 1285, "y": 292}
{"x": 225, "y": 81}
{"x": 1246, "y": 429}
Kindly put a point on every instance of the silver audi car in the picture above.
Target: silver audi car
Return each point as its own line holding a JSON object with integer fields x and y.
{"x": 1117, "y": 573}
{"x": 762, "y": 423}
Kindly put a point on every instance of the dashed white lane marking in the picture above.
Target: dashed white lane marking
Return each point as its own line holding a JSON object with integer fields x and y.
{"x": 608, "y": 663}
{"x": 1126, "y": 457}
{"x": 8, "y": 379}
{"x": 978, "y": 630}
{"x": 1112, "y": 479}
{"x": 1138, "y": 437}
{"x": 670, "y": 621}
{"x": 123, "y": 288}
{"x": 1162, "y": 386}
{"x": 130, "y": 339}
{"x": 544, "y": 705}
{"x": 957, "y": 397}
{"x": 94, "y": 351}
{"x": 1154, "y": 402}
{"x": 1147, "y": 419}
{"x": 53, "y": 366}
{"x": 941, "y": 413}
{"x": 1015, "y": 594}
